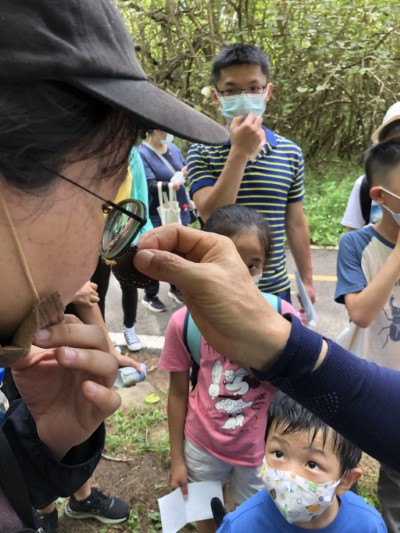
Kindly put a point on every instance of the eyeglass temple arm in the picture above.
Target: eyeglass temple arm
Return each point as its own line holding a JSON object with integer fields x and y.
{"x": 108, "y": 202}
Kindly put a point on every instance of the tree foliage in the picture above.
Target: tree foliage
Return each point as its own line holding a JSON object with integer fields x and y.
{"x": 334, "y": 62}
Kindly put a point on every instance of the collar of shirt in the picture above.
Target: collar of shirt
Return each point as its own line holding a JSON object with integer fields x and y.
{"x": 271, "y": 140}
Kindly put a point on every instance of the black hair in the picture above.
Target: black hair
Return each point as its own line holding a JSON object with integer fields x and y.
{"x": 291, "y": 417}
{"x": 51, "y": 124}
{"x": 234, "y": 219}
{"x": 380, "y": 160}
{"x": 239, "y": 54}
{"x": 390, "y": 131}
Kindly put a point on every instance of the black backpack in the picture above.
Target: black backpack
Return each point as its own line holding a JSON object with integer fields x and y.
{"x": 365, "y": 200}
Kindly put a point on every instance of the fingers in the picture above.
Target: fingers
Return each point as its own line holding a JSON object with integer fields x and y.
{"x": 71, "y": 319}
{"x": 124, "y": 360}
{"x": 216, "y": 257}
{"x": 70, "y": 333}
{"x": 190, "y": 243}
{"x": 100, "y": 365}
{"x": 104, "y": 399}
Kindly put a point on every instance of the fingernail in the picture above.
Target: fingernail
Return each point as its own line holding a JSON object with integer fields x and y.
{"x": 143, "y": 259}
{"x": 70, "y": 353}
{"x": 42, "y": 334}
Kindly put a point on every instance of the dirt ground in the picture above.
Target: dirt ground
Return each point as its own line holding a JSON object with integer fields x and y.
{"x": 139, "y": 481}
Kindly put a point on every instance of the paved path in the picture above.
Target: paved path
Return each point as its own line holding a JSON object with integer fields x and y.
{"x": 332, "y": 317}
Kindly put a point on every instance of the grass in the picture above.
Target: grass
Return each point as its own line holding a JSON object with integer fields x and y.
{"x": 130, "y": 433}
{"x": 327, "y": 192}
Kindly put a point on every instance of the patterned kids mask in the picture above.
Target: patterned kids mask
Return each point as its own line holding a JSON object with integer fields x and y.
{"x": 297, "y": 499}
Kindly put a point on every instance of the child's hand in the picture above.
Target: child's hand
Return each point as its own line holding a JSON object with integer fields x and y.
{"x": 179, "y": 478}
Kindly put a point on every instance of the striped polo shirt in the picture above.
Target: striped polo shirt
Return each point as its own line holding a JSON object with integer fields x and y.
{"x": 272, "y": 180}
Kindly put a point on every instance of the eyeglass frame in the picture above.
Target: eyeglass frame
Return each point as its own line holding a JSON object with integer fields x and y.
{"x": 237, "y": 92}
{"x": 142, "y": 221}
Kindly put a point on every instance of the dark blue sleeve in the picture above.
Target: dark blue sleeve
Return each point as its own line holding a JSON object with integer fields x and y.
{"x": 357, "y": 398}
{"x": 45, "y": 477}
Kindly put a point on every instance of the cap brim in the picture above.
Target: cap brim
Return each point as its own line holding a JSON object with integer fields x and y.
{"x": 155, "y": 107}
{"x": 377, "y": 132}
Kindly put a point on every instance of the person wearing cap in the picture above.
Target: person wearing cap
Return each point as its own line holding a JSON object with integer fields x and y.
{"x": 256, "y": 167}
{"x": 73, "y": 101}
{"x": 360, "y": 209}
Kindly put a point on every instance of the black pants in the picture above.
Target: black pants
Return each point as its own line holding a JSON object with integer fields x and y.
{"x": 101, "y": 277}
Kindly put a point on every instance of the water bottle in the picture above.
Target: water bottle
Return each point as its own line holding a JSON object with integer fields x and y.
{"x": 128, "y": 376}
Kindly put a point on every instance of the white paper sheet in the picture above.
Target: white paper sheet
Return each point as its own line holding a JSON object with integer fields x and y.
{"x": 305, "y": 301}
{"x": 176, "y": 512}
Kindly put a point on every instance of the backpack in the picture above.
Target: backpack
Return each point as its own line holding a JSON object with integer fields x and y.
{"x": 192, "y": 335}
{"x": 365, "y": 200}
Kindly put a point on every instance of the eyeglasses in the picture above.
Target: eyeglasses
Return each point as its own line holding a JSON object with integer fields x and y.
{"x": 122, "y": 224}
{"x": 254, "y": 89}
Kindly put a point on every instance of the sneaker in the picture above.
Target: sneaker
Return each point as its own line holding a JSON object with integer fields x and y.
{"x": 175, "y": 294}
{"x": 49, "y": 521}
{"x": 153, "y": 304}
{"x": 106, "y": 509}
{"x": 132, "y": 340}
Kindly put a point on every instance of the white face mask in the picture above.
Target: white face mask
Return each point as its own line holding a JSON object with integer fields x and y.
{"x": 256, "y": 278}
{"x": 396, "y": 216}
{"x": 242, "y": 104}
{"x": 297, "y": 499}
{"x": 168, "y": 139}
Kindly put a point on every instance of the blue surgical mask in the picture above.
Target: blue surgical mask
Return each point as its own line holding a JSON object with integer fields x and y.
{"x": 168, "y": 139}
{"x": 242, "y": 104}
{"x": 396, "y": 216}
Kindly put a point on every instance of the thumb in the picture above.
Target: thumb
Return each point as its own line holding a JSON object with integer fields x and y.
{"x": 163, "y": 266}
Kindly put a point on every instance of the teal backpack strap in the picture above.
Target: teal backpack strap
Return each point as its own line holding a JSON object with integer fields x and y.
{"x": 192, "y": 337}
{"x": 273, "y": 300}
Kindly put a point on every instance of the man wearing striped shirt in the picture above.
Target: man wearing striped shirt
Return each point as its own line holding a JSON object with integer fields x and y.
{"x": 256, "y": 167}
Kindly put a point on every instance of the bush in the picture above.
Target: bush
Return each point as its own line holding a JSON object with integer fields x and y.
{"x": 326, "y": 197}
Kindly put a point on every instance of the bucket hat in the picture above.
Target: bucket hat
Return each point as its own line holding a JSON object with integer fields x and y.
{"x": 86, "y": 44}
{"x": 392, "y": 114}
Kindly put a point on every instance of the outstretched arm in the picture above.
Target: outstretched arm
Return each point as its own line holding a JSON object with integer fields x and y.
{"x": 352, "y": 395}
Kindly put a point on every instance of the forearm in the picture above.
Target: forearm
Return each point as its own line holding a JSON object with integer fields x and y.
{"x": 351, "y": 395}
{"x": 298, "y": 237}
{"x": 365, "y": 306}
{"x": 176, "y": 409}
{"x": 226, "y": 188}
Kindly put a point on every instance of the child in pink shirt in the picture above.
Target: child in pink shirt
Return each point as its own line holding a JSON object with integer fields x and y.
{"x": 217, "y": 429}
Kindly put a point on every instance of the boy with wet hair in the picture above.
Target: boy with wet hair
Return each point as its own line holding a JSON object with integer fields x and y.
{"x": 368, "y": 284}
{"x": 308, "y": 469}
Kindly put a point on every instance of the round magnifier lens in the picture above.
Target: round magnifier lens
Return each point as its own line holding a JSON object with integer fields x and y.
{"x": 120, "y": 229}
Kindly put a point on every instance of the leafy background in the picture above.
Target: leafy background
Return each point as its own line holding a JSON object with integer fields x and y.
{"x": 334, "y": 65}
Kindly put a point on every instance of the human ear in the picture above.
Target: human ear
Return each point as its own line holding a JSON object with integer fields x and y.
{"x": 376, "y": 194}
{"x": 350, "y": 477}
{"x": 214, "y": 97}
{"x": 268, "y": 92}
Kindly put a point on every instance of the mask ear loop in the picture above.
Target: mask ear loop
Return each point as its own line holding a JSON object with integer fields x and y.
{"x": 20, "y": 252}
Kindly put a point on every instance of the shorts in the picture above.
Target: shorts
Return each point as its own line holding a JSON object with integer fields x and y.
{"x": 244, "y": 481}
